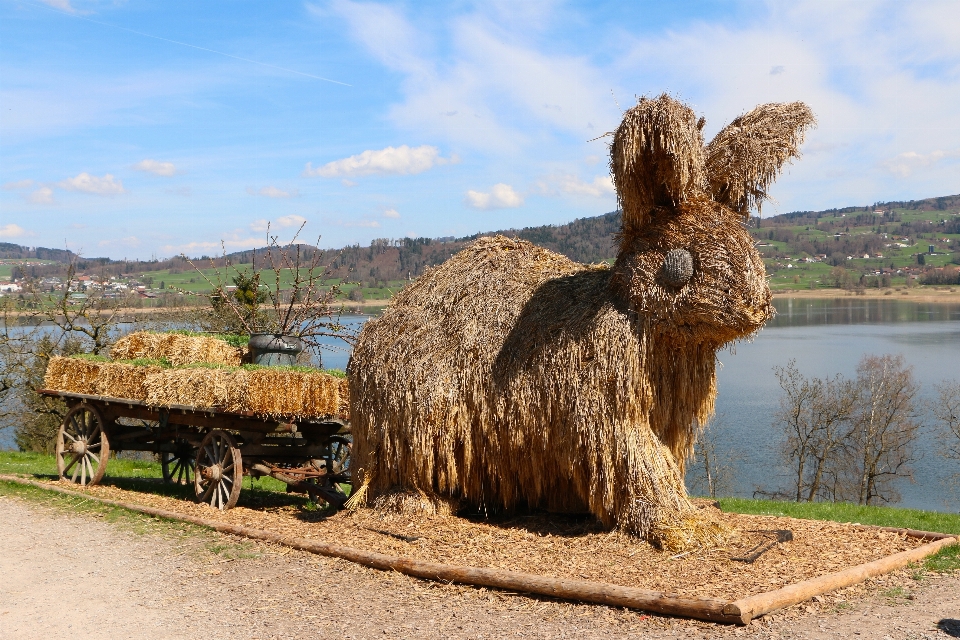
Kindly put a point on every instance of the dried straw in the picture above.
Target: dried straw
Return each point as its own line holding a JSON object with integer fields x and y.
{"x": 176, "y": 348}
{"x": 73, "y": 375}
{"x": 657, "y": 158}
{"x": 510, "y": 376}
{"x": 121, "y": 380}
{"x": 199, "y": 387}
{"x": 746, "y": 157}
{"x": 285, "y": 393}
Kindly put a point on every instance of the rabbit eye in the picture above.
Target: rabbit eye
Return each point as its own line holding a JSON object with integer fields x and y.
{"x": 677, "y": 268}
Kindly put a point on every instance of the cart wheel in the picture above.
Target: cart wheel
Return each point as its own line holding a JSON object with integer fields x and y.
{"x": 178, "y": 465}
{"x": 340, "y": 449}
{"x": 82, "y": 446}
{"x": 219, "y": 470}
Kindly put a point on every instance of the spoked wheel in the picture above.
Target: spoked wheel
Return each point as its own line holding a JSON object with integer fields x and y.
{"x": 82, "y": 446}
{"x": 219, "y": 470}
{"x": 340, "y": 449}
{"x": 177, "y": 465}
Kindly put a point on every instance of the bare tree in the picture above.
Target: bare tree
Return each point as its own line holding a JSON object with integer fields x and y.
{"x": 711, "y": 472}
{"x": 295, "y": 302}
{"x": 881, "y": 446}
{"x": 946, "y": 410}
{"x": 813, "y": 415}
{"x": 57, "y": 323}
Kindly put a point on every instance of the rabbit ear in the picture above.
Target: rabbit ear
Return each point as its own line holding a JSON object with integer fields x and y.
{"x": 657, "y": 158}
{"x": 745, "y": 158}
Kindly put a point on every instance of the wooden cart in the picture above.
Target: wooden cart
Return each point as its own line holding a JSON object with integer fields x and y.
{"x": 208, "y": 448}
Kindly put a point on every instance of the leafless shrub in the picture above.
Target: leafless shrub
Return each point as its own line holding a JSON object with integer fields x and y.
{"x": 710, "y": 472}
{"x": 813, "y": 413}
{"x": 294, "y": 300}
{"x": 850, "y": 440}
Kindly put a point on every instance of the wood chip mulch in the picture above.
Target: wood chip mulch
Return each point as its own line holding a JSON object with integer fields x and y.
{"x": 566, "y": 547}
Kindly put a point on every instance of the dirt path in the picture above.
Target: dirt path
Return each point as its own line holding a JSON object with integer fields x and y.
{"x": 69, "y": 575}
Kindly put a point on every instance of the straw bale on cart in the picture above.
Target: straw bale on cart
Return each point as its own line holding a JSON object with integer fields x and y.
{"x": 176, "y": 348}
{"x": 511, "y": 376}
{"x": 75, "y": 375}
{"x": 201, "y": 387}
{"x": 275, "y": 392}
{"x": 123, "y": 380}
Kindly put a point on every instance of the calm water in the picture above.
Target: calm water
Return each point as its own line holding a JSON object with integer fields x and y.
{"x": 824, "y": 337}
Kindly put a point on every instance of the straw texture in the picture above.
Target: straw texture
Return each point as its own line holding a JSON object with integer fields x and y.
{"x": 74, "y": 375}
{"x": 121, "y": 380}
{"x": 746, "y": 157}
{"x": 200, "y": 387}
{"x": 177, "y": 349}
{"x": 510, "y": 376}
{"x": 267, "y": 392}
{"x": 657, "y": 158}
{"x": 285, "y": 393}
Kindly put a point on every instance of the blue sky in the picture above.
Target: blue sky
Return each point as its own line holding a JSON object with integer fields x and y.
{"x": 373, "y": 120}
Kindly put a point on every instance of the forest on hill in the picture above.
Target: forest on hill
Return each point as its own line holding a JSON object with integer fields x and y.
{"x": 834, "y": 237}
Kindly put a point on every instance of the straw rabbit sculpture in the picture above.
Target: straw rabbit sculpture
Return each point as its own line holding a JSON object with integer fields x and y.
{"x": 510, "y": 376}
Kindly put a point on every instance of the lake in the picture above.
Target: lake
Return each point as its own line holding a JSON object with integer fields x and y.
{"x": 824, "y": 337}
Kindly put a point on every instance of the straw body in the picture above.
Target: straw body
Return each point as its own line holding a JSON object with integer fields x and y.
{"x": 511, "y": 376}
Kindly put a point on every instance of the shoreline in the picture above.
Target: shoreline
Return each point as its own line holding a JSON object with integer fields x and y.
{"x": 917, "y": 294}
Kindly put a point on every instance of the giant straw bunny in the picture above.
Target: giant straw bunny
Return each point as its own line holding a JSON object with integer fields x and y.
{"x": 510, "y": 376}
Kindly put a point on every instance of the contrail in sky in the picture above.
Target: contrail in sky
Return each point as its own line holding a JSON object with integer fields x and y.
{"x": 184, "y": 44}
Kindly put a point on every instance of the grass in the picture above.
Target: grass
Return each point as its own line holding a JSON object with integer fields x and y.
{"x": 946, "y": 561}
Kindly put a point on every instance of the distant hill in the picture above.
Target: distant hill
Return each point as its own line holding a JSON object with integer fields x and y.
{"x": 385, "y": 260}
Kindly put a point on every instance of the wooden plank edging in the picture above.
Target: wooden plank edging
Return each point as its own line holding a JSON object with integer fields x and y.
{"x": 764, "y": 603}
{"x": 740, "y": 611}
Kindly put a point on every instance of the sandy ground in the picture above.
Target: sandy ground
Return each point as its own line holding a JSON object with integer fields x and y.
{"x": 69, "y": 575}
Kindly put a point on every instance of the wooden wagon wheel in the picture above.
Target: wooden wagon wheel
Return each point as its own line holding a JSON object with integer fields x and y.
{"x": 340, "y": 450}
{"x": 82, "y": 446}
{"x": 218, "y": 471}
{"x": 177, "y": 465}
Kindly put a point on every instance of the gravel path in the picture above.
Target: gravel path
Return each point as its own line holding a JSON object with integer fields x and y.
{"x": 76, "y": 576}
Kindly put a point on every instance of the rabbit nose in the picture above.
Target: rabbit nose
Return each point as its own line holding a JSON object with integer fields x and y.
{"x": 677, "y": 268}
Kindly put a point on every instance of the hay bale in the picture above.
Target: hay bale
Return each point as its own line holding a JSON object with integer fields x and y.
{"x": 177, "y": 349}
{"x": 73, "y": 375}
{"x": 510, "y": 376}
{"x": 123, "y": 380}
{"x": 200, "y": 387}
{"x": 278, "y": 392}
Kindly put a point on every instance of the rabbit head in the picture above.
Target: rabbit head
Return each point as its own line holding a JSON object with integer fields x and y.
{"x": 687, "y": 262}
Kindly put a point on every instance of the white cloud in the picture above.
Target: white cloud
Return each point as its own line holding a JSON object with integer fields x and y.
{"x": 501, "y": 196}
{"x": 292, "y": 220}
{"x": 19, "y": 184}
{"x": 12, "y": 231}
{"x": 905, "y": 163}
{"x": 601, "y": 187}
{"x": 344, "y": 182}
{"x": 156, "y": 167}
{"x": 234, "y": 241}
{"x": 43, "y": 195}
{"x": 402, "y": 160}
{"x": 273, "y": 192}
{"x": 391, "y": 213}
{"x": 86, "y": 183}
